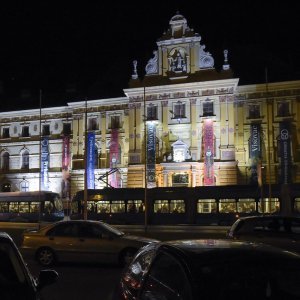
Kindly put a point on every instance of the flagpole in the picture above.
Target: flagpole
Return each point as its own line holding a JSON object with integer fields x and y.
{"x": 40, "y": 154}
{"x": 145, "y": 152}
{"x": 85, "y": 165}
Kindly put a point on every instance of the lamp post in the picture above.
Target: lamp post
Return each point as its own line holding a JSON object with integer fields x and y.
{"x": 145, "y": 165}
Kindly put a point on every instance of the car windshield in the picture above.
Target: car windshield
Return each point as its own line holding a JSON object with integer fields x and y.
{"x": 256, "y": 277}
{"x": 112, "y": 229}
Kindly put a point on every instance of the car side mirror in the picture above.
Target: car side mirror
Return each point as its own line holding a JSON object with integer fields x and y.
{"x": 46, "y": 277}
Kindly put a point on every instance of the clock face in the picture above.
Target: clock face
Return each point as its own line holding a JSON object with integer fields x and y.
{"x": 179, "y": 155}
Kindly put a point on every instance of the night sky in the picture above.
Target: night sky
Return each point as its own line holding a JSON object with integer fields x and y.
{"x": 73, "y": 52}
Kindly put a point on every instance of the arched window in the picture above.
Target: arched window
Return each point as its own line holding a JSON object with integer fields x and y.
{"x": 25, "y": 160}
{"x": 24, "y": 186}
{"x": 5, "y": 161}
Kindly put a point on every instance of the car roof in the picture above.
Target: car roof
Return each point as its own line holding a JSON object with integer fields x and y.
{"x": 217, "y": 248}
{"x": 269, "y": 217}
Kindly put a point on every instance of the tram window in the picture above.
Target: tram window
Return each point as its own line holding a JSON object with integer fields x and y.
{"x": 24, "y": 207}
{"x": 246, "y": 205}
{"x": 4, "y": 207}
{"x": 91, "y": 206}
{"x": 161, "y": 206}
{"x": 102, "y": 207}
{"x": 14, "y": 207}
{"x": 270, "y": 205}
{"x": 227, "y": 205}
{"x": 206, "y": 206}
{"x": 134, "y": 206}
{"x": 297, "y": 205}
{"x": 177, "y": 206}
{"x": 34, "y": 207}
{"x": 48, "y": 208}
{"x": 118, "y": 206}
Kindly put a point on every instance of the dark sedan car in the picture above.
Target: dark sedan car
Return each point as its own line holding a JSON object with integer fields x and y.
{"x": 275, "y": 230}
{"x": 210, "y": 269}
{"x": 16, "y": 281}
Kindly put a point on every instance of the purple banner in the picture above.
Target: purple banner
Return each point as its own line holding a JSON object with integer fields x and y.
{"x": 151, "y": 138}
{"x": 91, "y": 160}
{"x": 66, "y": 167}
{"x": 208, "y": 139}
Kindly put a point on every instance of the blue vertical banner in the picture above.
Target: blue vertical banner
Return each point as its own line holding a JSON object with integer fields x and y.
{"x": 90, "y": 160}
{"x": 45, "y": 164}
{"x": 151, "y": 138}
{"x": 285, "y": 153}
{"x": 255, "y": 153}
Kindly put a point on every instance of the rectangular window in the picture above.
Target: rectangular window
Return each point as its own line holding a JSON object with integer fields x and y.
{"x": 179, "y": 110}
{"x": 152, "y": 112}
{"x": 5, "y": 133}
{"x": 206, "y": 206}
{"x": 25, "y": 131}
{"x": 46, "y": 129}
{"x": 67, "y": 128}
{"x": 161, "y": 206}
{"x": 283, "y": 109}
{"x": 254, "y": 111}
{"x": 227, "y": 206}
{"x": 246, "y": 205}
{"x": 208, "y": 108}
{"x": 92, "y": 124}
{"x": 115, "y": 122}
{"x": 117, "y": 207}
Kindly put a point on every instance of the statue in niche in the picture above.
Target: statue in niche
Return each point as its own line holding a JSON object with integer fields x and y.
{"x": 177, "y": 62}
{"x": 152, "y": 65}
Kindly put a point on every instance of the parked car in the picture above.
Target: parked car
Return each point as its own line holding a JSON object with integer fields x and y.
{"x": 16, "y": 281}
{"x": 210, "y": 269}
{"x": 276, "y": 230}
{"x": 81, "y": 241}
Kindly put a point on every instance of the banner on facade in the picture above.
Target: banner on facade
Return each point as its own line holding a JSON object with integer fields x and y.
{"x": 66, "y": 167}
{"x": 208, "y": 139}
{"x": 45, "y": 164}
{"x": 114, "y": 157}
{"x": 285, "y": 153}
{"x": 90, "y": 160}
{"x": 255, "y": 153}
{"x": 151, "y": 138}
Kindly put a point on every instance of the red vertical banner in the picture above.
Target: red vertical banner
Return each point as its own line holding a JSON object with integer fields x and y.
{"x": 66, "y": 167}
{"x": 208, "y": 140}
{"x": 114, "y": 157}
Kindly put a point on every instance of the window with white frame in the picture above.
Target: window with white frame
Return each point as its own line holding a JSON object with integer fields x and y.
{"x": 5, "y": 133}
{"x": 151, "y": 112}
{"x": 208, "y": 107}
{"x": 92, "y": 124}
{"x": 115, "y": 122}
{"x": 25, "y": 160}
{"x": 25, "y": 131}
{"x": 46, "y": 129}
{"x": 5, "y": 161}
{"x": 24, "y": 186}
{"x": 179, "y": 110}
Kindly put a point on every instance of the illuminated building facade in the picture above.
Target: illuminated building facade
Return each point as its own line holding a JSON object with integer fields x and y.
{"x": 185, "y": 122}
